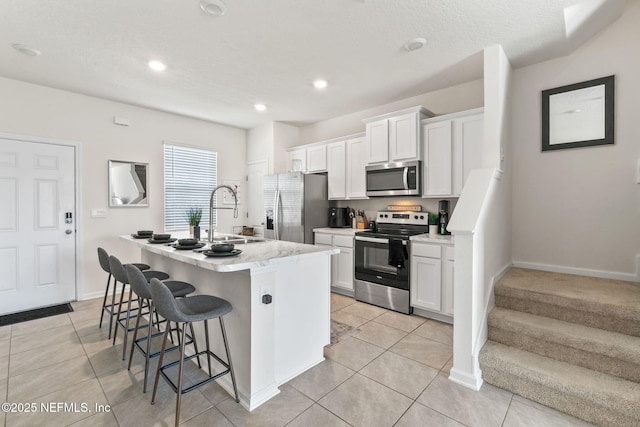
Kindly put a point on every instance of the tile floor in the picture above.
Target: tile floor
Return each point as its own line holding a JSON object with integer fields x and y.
{"x": 389, "y": 370}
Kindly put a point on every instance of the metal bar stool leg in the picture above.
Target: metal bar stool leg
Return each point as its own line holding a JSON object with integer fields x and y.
{"x": 164, "y": 346}
{"x": 180, "y": 370}
{"x": 226, "y": 347}
{"x": 206, "y": 337}
{"x": 115, "y": 332}
{"x": 135, "y": 336}
{"x": 126, "y": 323}
{"x": 195, "y": 344}
{"x": 113, "y": 305}
{"x": 104, "y": 301}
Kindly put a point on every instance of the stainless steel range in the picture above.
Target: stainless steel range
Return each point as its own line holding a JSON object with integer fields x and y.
{"x": 382, "y": 259}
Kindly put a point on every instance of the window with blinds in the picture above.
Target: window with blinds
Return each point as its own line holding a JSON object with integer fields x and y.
{"x": 190, "y": 174}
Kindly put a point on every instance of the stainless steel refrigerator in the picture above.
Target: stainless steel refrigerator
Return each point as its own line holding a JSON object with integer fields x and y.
{"x": 295, "y": 204}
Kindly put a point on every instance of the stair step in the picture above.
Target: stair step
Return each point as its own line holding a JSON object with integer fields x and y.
{"x": 612, "y": 305}
{"x": 609, "y": 352}
{"x": 590, "y": 395}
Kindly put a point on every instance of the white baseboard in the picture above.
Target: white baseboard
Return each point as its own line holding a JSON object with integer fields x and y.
{"x": 603, "y": 274}
{"x": 91, "y": 295}
{"x": 471, "y": 381}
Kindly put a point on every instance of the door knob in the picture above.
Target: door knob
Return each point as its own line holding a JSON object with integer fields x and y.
{"x": 68, "y": 232}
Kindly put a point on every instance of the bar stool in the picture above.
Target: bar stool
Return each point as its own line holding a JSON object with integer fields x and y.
{"x": 120, "y": 275}
{"x": 103, "y": 258}
{"x": 186, "y": 311}
{"x": 140, "y": 286}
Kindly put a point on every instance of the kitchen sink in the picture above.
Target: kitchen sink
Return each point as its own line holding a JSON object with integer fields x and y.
{"x": 237, "y": 239}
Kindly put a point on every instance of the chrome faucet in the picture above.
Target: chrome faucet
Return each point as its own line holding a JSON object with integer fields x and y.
{"x": 212, "y": 208}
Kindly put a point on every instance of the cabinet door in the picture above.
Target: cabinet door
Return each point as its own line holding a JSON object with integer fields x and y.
{"x": 403, "y": 137}
{"x": 336, "y": 170}
{"x": 297, "y": 160}
{"x": 378, "y": 140}
{"x": 426, "y": 276}
{"x": 317, "y": 159}
{"x": 468, "y": 139}
{"x": 344, "y": 270}
{"x": 356, "y": 162}
{"x": 437, "y": 165}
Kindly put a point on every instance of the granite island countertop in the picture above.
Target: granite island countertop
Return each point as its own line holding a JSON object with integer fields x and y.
{"x": 254, "y": 255}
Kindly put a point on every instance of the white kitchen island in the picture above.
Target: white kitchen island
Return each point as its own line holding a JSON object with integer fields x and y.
{"x": 270, "y": 343}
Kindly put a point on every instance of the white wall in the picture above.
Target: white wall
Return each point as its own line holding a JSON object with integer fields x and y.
{"x": 284, "y": 136}
{"x": 29, "y": 109}
{"x": 260, "y": 144}
{"x": 578, "y": 210}
{"x": 449, "y": 100}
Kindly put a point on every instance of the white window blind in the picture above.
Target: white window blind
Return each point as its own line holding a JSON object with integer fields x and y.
{"x": 190, "y": 174}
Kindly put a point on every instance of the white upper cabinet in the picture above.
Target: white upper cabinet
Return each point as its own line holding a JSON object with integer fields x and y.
{"x": 357, "y": 156}
{"x": 378, "y": 137}
{"x": 317, "y": 158}
{"x": 468, "y": 139}
{"x": 395, "y": 136}
{"x": 336, "y": 170}
{"x": 452, "y": 147}
{"x": 297, "y": 160}
{"x": 438, "y": 154}
{"x": 403, "y": 137}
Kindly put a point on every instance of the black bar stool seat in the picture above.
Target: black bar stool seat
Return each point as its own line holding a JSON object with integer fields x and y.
{"x": 186, "y": 311}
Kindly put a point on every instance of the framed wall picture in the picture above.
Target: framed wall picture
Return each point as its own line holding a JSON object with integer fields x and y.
{"x": 578, "y": 115}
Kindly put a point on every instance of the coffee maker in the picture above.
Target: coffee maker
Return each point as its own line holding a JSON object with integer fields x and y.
{"x": 443, "y": 208}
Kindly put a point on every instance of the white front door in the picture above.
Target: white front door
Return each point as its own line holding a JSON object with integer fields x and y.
{"x": 255, "y": 183}
{"x": 37, "y": 225}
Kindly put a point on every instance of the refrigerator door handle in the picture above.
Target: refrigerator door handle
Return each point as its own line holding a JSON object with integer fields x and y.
{"x": 276, "y": 215}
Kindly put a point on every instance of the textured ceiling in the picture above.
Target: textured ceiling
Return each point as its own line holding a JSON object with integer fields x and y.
{"x": 269, "y": 51}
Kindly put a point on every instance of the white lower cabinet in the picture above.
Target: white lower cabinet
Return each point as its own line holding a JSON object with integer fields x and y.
{"x": 432, "y": 278}
{"x": 342, "y": 263}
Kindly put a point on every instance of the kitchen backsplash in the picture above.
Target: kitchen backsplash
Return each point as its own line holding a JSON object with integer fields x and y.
{"x": 375, "y": 204}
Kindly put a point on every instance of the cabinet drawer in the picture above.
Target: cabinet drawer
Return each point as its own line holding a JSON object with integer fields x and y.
{"x": 323, "y": 239}
{"x": 344, "y": 241}
{"x": 430, "y": 251}
{"x": 450, "y": 253}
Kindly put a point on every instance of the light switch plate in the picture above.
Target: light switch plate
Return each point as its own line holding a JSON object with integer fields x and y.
{"x": 98, "y": 213}
{"x": 638, "y": 172}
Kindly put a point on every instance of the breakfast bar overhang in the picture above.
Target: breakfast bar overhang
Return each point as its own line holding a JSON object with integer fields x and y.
{"x": 272, "y": 340}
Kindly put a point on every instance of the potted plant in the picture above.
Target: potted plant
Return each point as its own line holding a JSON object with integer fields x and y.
{"x": 433, "y": 224}
{"x": 194, "y": 215}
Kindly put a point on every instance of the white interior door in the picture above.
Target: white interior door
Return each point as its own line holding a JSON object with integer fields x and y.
{"x": 255, "y": 200}
{"x": 37, "y": 245}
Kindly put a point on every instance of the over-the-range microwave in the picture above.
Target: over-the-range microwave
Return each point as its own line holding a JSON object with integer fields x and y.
{"x": 394, "y": 179}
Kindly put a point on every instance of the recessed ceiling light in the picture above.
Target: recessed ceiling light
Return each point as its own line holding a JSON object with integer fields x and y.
{"x": 213, "y": 7}
{"x": 260, "y": 107}
{"x": 415, "y": 44}
{"x": 320, "y": 84}
{"x": 157, "y": 66}
{"x": 26, "y": 50}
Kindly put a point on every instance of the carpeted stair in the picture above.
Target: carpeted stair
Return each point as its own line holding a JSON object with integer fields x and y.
{"x": 568, "y": 342}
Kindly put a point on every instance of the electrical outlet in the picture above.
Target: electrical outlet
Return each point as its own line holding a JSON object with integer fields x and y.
{"x": 638, "y": 172}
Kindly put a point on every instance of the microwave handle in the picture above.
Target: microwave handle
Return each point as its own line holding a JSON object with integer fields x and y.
{"x": 405, "y": 178}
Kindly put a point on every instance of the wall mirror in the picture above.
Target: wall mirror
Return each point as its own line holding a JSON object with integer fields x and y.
{"x": 128, "y": 184}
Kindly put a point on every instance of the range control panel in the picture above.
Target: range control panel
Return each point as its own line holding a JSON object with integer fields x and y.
{"x": 391, "y": 217}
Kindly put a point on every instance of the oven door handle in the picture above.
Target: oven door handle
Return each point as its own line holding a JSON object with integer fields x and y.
{"x": 376, "y": 240}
